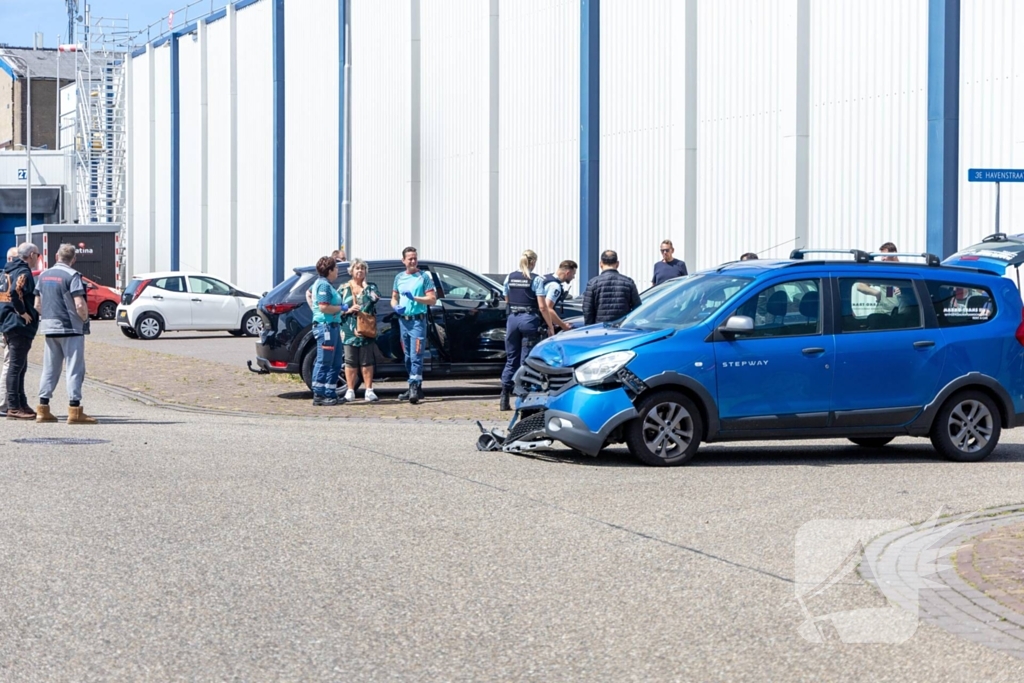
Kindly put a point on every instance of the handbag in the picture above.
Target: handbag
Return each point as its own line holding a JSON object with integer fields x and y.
{"x": 366, "y": 325}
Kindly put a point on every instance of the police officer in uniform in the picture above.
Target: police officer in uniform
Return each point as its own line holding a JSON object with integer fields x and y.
{"x": 527, "y": 306}
{"x": 554, "y": 292}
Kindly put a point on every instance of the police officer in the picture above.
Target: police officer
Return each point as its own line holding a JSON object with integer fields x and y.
{"x": 554, "y": 292}
{"x": 524, "y": 296}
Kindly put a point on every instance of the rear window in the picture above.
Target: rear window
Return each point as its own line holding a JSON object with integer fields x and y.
{"x": 293, "y": 289}
{"x": 957, "y": 305}
{"x": 133, "y": 287}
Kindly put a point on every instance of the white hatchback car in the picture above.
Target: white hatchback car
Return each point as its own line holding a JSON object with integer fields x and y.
{"x": 155, "y": 302}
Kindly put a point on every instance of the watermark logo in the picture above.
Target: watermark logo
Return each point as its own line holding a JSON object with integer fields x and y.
{"x": 828, "y": 555}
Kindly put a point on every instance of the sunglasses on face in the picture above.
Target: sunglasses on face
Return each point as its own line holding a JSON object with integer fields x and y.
{"x": 665, "y": 251}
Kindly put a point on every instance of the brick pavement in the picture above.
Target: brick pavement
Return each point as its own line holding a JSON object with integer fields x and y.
{"x": 960, "y": 573}
{"x": 195, "y": 383}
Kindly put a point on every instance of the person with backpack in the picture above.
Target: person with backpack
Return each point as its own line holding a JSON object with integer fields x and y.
{"x": 19, "y": 321}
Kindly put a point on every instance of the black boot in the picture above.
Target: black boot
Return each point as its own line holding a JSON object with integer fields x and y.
{"x": 505, "y": 401}
{"x": 416, "y": 393}
{"x": 405, "y": 395}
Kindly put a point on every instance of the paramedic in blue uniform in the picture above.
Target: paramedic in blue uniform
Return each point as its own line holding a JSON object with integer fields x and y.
{"x": 554, "y": 292}
{"x": 524, "y": 297}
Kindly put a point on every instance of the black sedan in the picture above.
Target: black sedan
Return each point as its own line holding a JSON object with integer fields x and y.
{"x": 465, "y": 330}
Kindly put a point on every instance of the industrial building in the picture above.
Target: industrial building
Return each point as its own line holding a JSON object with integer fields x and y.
{"x": 265, "y": 134}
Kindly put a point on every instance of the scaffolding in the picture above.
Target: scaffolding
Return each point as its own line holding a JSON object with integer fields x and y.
{"x": 101, "y": 134}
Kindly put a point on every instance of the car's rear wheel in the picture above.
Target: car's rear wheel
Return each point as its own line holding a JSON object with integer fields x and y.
{"x": 106, "y": 310}
{"x": 252, "y": 324}
{"x": 129, "y": 332}
{"x": 967, "y": 427}
{"x": 666, "y": 431}
{"x": 872, "y": 441}
{"x": 149, "y": 327}
{"x": 306, "y": 368}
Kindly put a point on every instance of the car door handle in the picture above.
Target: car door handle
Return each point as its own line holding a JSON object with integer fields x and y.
{"x": 158, "y": 297}
{"x": 196, "y": 299}
{"x": 458, "y": 316}
{"x": 812, "y": 350}
{"x": 923, "y": 344}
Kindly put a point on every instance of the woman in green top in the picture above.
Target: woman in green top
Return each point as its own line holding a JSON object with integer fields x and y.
{"x": 327, "y": 308}
{"x": 358, "y": 296}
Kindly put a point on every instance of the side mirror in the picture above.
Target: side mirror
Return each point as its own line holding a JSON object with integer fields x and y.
{"x": 737, "y": 324}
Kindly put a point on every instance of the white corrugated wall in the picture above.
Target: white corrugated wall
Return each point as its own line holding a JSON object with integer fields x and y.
{"x": 454, "y": 131}
{"x": 255, "y": 149}
{"x": 162, "y": 168}
{"x": 869, "y": 124}
{"x": 219, "y": 153}
{"x": 739, "y": 157}
{"x": 191, "y": 247}
{"x": 991, "y": 115}
{"x": 641, "y": 182}
{"x": 381, "y": 128}
{"x": 539, "y": 153}
{"x": 311, "y": 130}
{"x": 141, "y": 201}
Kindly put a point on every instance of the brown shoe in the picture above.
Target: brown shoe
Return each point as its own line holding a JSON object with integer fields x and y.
{"x": 43, "y": 414}
{"x": 77, "y": 416}
{"x": 20, "y": 414}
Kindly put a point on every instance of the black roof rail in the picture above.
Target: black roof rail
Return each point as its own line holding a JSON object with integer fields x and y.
{"x": 929, "y": 259}
{"x": 858, "y": 255}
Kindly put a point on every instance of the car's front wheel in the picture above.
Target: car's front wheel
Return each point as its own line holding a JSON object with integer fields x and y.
{"x": 106, "y": 310}
{"x": 967, "y": 427}
{"x": 666, "y": 431}
{"x": 149, "y": 327}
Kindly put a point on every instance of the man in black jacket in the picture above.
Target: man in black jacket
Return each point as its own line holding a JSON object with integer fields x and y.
{"x": 610, "y": 295}
{"x": 19, "y": 321}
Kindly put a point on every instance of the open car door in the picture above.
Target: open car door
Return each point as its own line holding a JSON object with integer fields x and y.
{"x": 1000, "y": 253}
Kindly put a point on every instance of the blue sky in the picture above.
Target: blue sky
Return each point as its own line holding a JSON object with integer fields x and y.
{"x": 20, "y": 19}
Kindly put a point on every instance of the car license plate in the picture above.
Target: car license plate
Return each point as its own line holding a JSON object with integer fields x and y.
{"x": 532, "y": 400}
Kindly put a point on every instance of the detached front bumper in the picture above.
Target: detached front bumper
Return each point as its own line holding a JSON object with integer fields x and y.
{"x": 580, "y": 417}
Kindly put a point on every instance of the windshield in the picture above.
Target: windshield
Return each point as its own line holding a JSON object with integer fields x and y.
{"x": 686, "y": 302}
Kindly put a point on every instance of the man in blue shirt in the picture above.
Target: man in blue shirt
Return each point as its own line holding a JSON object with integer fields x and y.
{"x": 668, "y": 267}
{"x": 554, "y": 292}
{"x": 411, "y": 296}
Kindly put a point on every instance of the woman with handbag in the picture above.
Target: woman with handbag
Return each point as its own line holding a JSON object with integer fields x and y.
{"x": 359, "y": 328}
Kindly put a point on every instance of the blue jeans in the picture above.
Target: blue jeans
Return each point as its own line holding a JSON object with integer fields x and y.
{"x": 522, "y": 332}
{"x": 329, "y": 353}
{"x": 414, "y": 341}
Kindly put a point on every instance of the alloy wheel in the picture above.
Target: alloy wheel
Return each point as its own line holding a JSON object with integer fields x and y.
{"x": 668, "y": 429}
{"x": 970, "y": 426}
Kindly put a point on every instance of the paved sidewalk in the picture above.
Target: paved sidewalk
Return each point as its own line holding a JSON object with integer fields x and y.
{"x": 957, "y": 573}
{"x": 200, "y": 383}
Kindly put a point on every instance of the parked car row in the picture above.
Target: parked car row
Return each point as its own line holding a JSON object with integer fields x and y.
{"x": 465, "y": 329}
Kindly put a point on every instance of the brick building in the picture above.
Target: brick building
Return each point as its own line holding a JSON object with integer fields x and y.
{"x": 43, "y": 66}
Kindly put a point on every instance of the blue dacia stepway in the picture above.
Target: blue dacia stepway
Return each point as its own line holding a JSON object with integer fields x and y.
{"x": 865, "y": 350}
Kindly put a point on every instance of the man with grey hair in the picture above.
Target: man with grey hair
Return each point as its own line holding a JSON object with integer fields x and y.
{"x": 64, "y": 322}
{"x": 12, "y": 254}
{"x": 19, "y": 321}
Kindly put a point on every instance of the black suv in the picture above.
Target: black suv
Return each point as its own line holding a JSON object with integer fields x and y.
{"x": 465, "y": 331}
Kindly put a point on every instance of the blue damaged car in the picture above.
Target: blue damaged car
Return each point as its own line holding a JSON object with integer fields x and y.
{"x": 861, "y": 349}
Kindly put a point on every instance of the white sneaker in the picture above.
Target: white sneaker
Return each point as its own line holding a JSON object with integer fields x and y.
{"x": 370, "y": 396}
{"x": 350, "y": 395}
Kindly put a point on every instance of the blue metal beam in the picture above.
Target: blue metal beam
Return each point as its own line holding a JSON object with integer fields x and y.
{"x": 590, "y": 137}
{"x": 175, "y": 157}
{"x": 277, "y": 39}
{"x": 943, "y": 125}
{"x": 342, "y": 9}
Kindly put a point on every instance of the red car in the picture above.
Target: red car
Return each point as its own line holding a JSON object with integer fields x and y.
{"x": 102, "y": 300}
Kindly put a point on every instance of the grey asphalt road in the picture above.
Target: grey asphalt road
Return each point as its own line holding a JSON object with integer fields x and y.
{"x": 217, "y": 347}
{"x": 194, "y": 546}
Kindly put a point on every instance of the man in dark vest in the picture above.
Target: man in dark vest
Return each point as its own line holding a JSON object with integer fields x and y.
{"x": 64, "y": 322}
{"x": 554, "y": 292}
